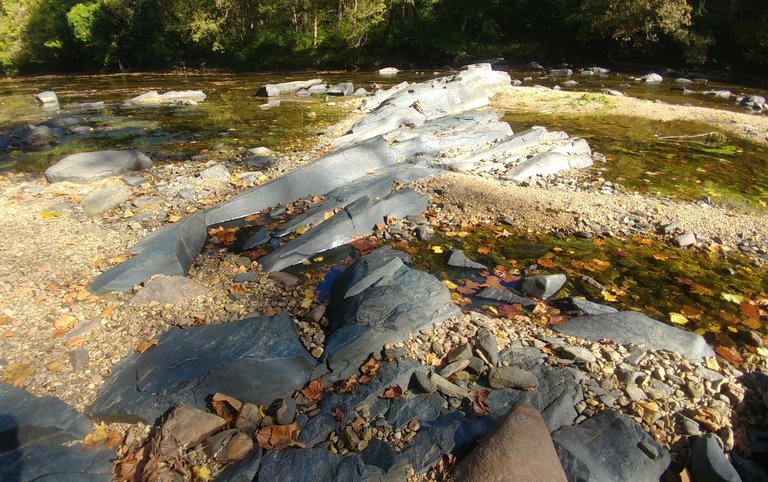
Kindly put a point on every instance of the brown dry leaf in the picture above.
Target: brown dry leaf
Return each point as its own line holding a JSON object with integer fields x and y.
{"x": 277, "y": 437}
{"x": 146, "y": 345}
{"x": 749, "y": 310}
{"x": 546, "y": 263}
{"x": 108, "y": 311}
{"x": 365, "y": 245}
{"x": 314, "y": 391}
{"x": 371, "y": 367}
{"x": 647, "y": 410}
{"x": 643, "y": 241}
{"x": 710, "y": 419}
{"x": 66, "y": 323}
{"x": 251, "y": 218}
{"x": 690, "y": 312}
{"x": 270, "y": 311}
{"x": 484, "y": 249}
{"x": 225, "y": 406}
{"x": 98, "y": 436}
{"x": 339, "y": 414}
{"x": 4, "y": 319}
{"x": 469, "y": 287}
{"x": 16, "y": 373}
{"x": 479, "y": 404}
{"x": 729, "y": 354}
{"x": 56, "y": 366}
{"x": 433, "y": 360}
{"x": 504, "y": 275}
{"x": 392, "y": 393}
{"x": 348, "y": 385}
{"x": 75, "y": 342}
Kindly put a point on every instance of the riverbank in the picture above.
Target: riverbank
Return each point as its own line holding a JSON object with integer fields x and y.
{"x": 50, "y": 322}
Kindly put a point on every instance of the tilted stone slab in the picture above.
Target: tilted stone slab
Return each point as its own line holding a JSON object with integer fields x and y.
{"x": 374, "y": 186}
{"x": 379, "y": 300}
{"x": 255, "y": 360}
{"x": 56, "y": 463}
{"x": 182, "y": 97}
{"x": 26, "y": 419}
{"x": 632, "y": 327}
{"x": 467, "y": 138}
{"x": 381, "y": 96}
{"x": 610, "y": 446}
{"x": 285, "y": 88}
{"x": 356, "y": 219}
{"x": 87, "y": 167}
{"x": 169, "y": 250}
{"x": 574, "y": 155}
{"x": 505, "y": 148}
{"x": 329, "y": 172}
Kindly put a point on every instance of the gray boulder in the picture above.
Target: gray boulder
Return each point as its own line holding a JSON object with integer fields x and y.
{"x": 627, "y": 327}
{"x": 357, "y": 218}
{"x": 271, "y": 90}
{"x": 47, "y": 97}
{"x": 505, "y": 296}
{"x": 219, "y": 172}
{"x": 56, "y": 463}
{"x": 255, "y": 360}
{"x": 87, "y": 167}
{"x": 579, "y": 306}
{"x": 169, "y": 250}
{"x": 610, "y": 446}
{"x": 342, "y": 89}
{"x": 458, "y": 259}
{"x": 103, "y": 200}
{"x": 379, "y": 300}
{"x": 651, "y": 78}
{"x": 184, "y": 97}
{"x": 543, "y": 286}
{"x": 709, "y": 463}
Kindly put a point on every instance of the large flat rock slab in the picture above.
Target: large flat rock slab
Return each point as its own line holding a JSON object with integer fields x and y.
{"x": 87, "y": 167}
{"x": 169, "y": 250}
{"x": 378, "y": 300}
{"x": 633, "y": 327}
{"x": 329, "y": 172}
{"x": 180, "y": 97}
{"x": 610, "y": 446}
{"x": 26, "y": 419}
{"x": 56, "y": 463}
{"x": 356, "y": 219}
{"x": 255, "y": 360}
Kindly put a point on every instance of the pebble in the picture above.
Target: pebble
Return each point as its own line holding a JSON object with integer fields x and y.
{"x": 635, "y": 393}
{"x": 577, "y": 354}
{"x": 461, "y": 352}
{"x": 454, "y": 367}
{"x": 286, "y": 279}
{"x": 449, "y": 389}
{"x": 485, "y": 343}
{"x": 422, "y": 382}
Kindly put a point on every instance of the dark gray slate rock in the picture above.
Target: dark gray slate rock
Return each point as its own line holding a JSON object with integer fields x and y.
{"x": 55, "y": 463}
{"x": 579, "y": 306}
{"x": 709, "y": 463}
{"x": 485, "y": 342}
{"x": 512, "y": 377}
{"x": 423, "y": 408}
{"x": 374, "y": 186}
{"x": 555, "y": 397}
{"x": 329, "y": 172}
{"x": 319, "y": 427}
{"x": 379, "y": 300}
{"x": 169, "y": 250}
{"x": 459, "y": 260}
{"x": 748, "y": 470}
{"x": 318, "y": 464}
{"x": 91, "y": 166}
{"x": 262, "y": 236}
{"x": 83, "y": 106}
{"x": 610, "y": 446}
{"x": 357, "y": 218}
{"x": 421, "y": 382}
{"x": 255, "y": 360}
{"x": 627, "y": 327}
{"x": 26, "y": 419}
{"x": 244, "y": 470}
{"x": 543, "y": 286}
{"x": 505, "y": 296}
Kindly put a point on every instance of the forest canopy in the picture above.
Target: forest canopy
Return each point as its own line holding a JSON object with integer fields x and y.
{"x": 109, "y": 35}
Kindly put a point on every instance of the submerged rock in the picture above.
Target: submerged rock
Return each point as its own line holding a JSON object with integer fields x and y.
{"x": 184, "y": 97}
{"x": 627, "y": 327}
{"x": 255, "y": 360}
{"x": 87, "y": 167}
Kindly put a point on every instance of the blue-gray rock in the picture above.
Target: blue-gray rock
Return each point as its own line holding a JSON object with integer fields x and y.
{"x": 377, "y": 185}
{"x": 285, "y": 88}
{"x": 262, "y": 236}
{"x": 83, "y": 106}
{"x": 311, "y": 465}
{"x": 47, "y": 97}
{"x": 684, "y": 240}
{"x": 26, "y": 419}
{"x": 505, "y": 296}
{"x": 709, "y": 463}
{"x": 255, "y": 360}
{"x": 134, "y": 181}
{"x": 544, "y": 286}
{"x": 576, "y": 155}
{"x": 87, "y": 167}
{"x": 748, "y": 470}
{"x": 458, "y": 259}
{"x": 245, "y": 470}
{"x": 357, "y": 218}
{"x": 565, "y": 72}
{"x": 342, "y": 89}
{"x": 579, "y": 306}
{"x": 103, "y": 200}
{"x": 610, "y": 446}
{"x": 627, "y": 327}
{"x": 260, "y": 161}
{"x": 169, "y": 250}
{"x": 319, "y": 427}
{"x": 485, "y": 342}
{"x": 422, "y": 407}
{"x": 56, "y": 463}
{"x": 338, "y": 168}
{"x": 318, "y": 89}
{"x": 379, "y": 300}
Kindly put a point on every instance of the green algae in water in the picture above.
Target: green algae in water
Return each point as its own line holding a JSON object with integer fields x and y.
{"x": 732, "y": 172}
{"x": 638, "y": 274}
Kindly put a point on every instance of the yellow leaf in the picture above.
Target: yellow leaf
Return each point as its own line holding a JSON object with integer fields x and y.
{"x": 761, "y": 351}
{"x": 660, "y": 257}
{"x": 328, "y": 215}
{"x": 49, "y": 214}
{"x": 318, "y": 259}
{"x": 436, "y": 249}
{"x": 491, "y": 309}
{"x": 302, "y": 230}
{"x": 712, "y": 364}
{"x": 306, "y": 303}
{"x": 608, "y": 296}
{"x": 202, "y": 474}
{"x": 451, "y": 285}
{"x": 678, "y": 319}
{"x": 738, "y": 299}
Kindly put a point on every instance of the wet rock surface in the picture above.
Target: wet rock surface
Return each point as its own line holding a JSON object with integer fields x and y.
{"x": 91, "y": 166}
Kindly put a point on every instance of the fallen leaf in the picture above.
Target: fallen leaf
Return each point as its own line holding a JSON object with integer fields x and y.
{"x": 450, "y": 284}
{"x": 436, "y": 249}
{"x": 56, "y": 366}
{"x": 225, "y": 406}
{"x": 277, "y": 437}
{"x": 608, "y": 296}
{"x": 16, "y": 373}
{"x": 433, "y": 360}
{"x": 479, "y": 404}
{"x": 370, "y": 367}
{"x": 365, "y": 245}
{"x": 108, "y": 311}
{"x": 710, "y": 419}
{"x": 392, "y": 392}
{"x": 146, "y": 345}
{"x": 712, "y": 364}
{"x": 202, "y": 473}
{"x": 749, "y": 310}
{"x": 678, "y": 319}
{"x": 733, "y": 298}
{"x": 546, "y": 263}
{"x": 468, "y": 288}
{"x": 484, "y": 249}
{"x": 729, "y": 354}
{"x": 660, "y": 257}
{"x": 691, "y": 313}
{"x": 314, "y": 391}
{"x": 339, "y": 414}
{"x": 66, "y": 322}
{"x": 347, "y": 386}
{"x": 49, "y": 214}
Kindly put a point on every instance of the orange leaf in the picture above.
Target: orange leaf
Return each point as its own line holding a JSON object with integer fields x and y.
{"x": 749, "y": 310}
{"x": 314, "y": 391}
{"x": 392, "y": 392}
{"x": 484, "y": 249}
{"x": 348, "y": 385}
{"x": 365, "y": 245}
{"x": 146, "y": 345}
{"x": 469, "y": 287}
{"x": 277, "y": 437}
{"x": 729, "y": 354}
{"x": 546, "y": 263}
{"x": 225, "y": 406}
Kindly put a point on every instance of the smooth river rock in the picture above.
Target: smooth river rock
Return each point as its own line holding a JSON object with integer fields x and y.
{"x": 87, "y": 167}
{"x": 627, "y": 327}
{"x": 255, "y": 360}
